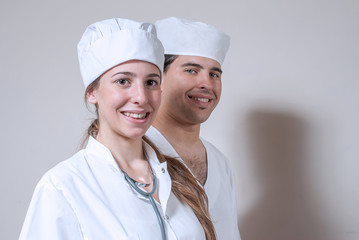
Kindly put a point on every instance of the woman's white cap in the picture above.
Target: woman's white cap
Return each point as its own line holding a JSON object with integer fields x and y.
{"x": 184, "y": 37}
{"x": 108, "y": 43}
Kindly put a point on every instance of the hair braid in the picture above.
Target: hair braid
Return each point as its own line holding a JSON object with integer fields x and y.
{"x": 186, "y": 188}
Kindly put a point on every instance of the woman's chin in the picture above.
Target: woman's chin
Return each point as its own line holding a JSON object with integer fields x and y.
{"x": 136, "y": 133}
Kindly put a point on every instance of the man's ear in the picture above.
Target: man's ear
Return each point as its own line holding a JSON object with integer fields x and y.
{"x": 91, "y": 96}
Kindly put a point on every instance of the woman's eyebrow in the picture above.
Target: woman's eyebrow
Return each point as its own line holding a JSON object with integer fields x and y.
{"x": 153, "y": 75}
{"x": 130, "y": 74}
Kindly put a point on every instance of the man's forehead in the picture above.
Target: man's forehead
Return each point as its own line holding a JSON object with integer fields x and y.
{"x": 205, "y": 62}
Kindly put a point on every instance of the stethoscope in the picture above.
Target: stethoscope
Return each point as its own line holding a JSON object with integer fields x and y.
{"x": 135, "y": 185}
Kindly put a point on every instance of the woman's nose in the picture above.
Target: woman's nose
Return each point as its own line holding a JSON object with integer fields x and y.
{"x": 139, "y": 95}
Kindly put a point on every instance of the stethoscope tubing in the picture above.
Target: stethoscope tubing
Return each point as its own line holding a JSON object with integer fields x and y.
{"x": 149, "y": 195}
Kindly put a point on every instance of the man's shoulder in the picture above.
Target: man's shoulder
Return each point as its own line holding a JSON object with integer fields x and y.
{"x": 217, "y": 159}
{"x": 212, "y": 149}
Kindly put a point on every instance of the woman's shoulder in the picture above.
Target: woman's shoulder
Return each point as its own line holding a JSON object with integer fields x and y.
{"x": 66, "y": 170}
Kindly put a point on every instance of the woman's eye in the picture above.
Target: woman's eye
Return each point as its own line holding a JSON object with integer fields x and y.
{"x": 122, "y": 81}
{"x": 152, "y": 83}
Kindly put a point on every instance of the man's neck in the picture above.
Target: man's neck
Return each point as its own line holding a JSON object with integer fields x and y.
{"x": 184, "y": 138}
{"x": 176, "y": 132}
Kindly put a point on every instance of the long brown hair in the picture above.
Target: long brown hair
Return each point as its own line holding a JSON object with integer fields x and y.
{"x": 184, "y": 185}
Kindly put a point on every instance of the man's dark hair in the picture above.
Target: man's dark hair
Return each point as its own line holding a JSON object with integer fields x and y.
{"x": 168, "y": 60}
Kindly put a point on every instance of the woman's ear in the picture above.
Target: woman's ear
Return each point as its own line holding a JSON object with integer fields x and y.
{"x": 91, "y": 96}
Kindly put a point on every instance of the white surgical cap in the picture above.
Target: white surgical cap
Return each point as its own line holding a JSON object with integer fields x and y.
{"x": 184, "y": 37}
{"x": 108, "y": 43}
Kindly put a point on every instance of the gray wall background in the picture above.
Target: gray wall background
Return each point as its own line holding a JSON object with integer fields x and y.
{"x": 288, "y": 117}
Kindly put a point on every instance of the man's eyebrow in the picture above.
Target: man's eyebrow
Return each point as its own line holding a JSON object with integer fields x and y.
{"x": 190, "y": 64}
{"x": 217, "y": 69}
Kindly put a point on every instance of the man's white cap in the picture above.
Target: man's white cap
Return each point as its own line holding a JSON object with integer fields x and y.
{"x": 184, "y": 37}
{"x": 108, "y": 43}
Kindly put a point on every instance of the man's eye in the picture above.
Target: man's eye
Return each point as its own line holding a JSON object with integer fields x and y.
{"x": 191, "y": 71}
{"x": 152, "y": 83}
{"x": 215, "y": 75}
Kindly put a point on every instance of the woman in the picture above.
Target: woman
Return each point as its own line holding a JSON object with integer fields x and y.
{"x": 119, "y": 186}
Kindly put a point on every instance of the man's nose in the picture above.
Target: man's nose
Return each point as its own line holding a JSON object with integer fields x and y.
{"x": 204, "y": 81}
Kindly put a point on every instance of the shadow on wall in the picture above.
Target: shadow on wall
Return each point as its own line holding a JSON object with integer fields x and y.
{"x": 286, "y": 207}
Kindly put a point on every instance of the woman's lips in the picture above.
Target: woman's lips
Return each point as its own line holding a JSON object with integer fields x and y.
{"x": 136, "y": 115}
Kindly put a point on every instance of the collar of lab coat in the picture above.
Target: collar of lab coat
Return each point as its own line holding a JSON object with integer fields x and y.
{"x": 100, "y": 151}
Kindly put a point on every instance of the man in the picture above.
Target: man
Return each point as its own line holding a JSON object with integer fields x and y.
{"x": 191, "y": 89}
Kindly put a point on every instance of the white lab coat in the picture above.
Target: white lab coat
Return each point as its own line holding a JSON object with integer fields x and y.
{"x": 220, "y": 186}
{"x": 86, "y": 197}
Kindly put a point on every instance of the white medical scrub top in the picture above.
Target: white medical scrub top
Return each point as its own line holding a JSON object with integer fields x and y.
{"x": 219, "y": 186}
{"x": 87, "y": 197}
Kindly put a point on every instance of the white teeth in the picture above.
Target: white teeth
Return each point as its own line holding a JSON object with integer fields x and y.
{"x": 135, "y": 115}
{"x": 201, "y": 99}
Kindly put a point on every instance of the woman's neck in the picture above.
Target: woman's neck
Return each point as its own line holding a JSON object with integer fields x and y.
{"x": 127, "y": 152}
{"x": 130, "y": 157}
